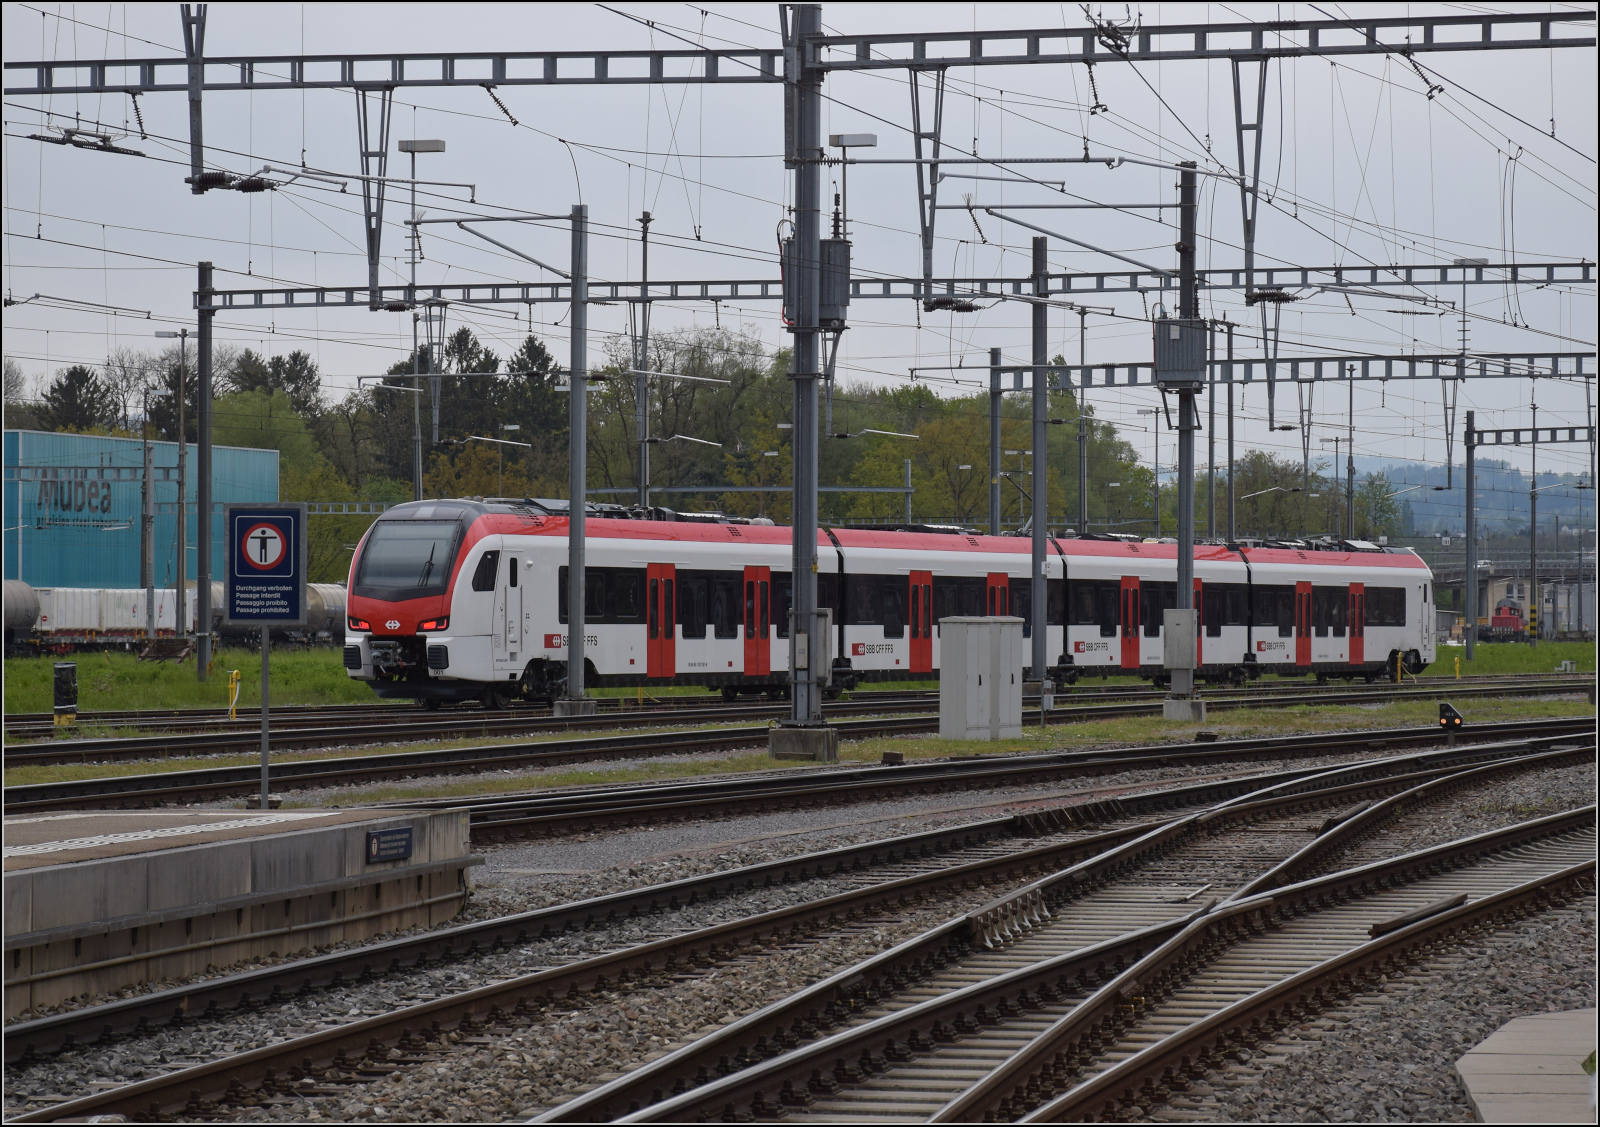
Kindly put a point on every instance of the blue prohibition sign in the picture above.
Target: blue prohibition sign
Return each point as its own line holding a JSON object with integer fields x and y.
{"x": 263, "y": 553}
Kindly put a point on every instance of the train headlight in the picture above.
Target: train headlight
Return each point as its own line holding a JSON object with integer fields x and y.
{"x": 358, "y": 623}
{"x": 440, "y": 623}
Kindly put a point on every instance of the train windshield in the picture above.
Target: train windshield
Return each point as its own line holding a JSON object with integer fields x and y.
{"x": 408, "y": 553}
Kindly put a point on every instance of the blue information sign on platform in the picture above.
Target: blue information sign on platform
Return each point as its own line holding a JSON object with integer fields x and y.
{"x": 266, "y": 571}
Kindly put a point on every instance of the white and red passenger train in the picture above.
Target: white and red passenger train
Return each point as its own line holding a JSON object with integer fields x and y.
{"x": 462, "y": 599}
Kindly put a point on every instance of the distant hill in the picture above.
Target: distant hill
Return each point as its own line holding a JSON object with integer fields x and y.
{"x": 1502, "y": 495}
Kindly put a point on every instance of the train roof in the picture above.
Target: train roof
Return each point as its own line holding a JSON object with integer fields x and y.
{"x": 543, "y": 516}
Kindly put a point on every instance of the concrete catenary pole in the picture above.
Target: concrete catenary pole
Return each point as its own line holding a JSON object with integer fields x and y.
{"x": 577, "y": 461}
{"x": 805, "y": 157}
{"x": 181, "y": 541}
{"x": 1189, "y": 309}
{"x": 1041, "y": 480}
{"x": 202, "y": 508}
{"x": 1083, "y": 425}
{"x": 641, "y": 364}
{"x": 1532, "y": 624}
{"x": 1469, "y": 581}
{"x": 995, "y": 396}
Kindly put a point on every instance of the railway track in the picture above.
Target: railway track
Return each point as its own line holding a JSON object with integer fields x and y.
{"x": 987, "y": 837}
{"x": 221, "y": 782}
{"x": 1055, "y": 940}
{"x": 351, "y": 1054}
{"x": 311, "y": 728}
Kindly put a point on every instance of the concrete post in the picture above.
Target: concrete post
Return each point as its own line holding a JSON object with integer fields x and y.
{"x": 994, "y": 441}
{"x": 574, "y": 703}
{"x": 202, "y": 510}
{"x": 804, "y": 729}
{"x": 641, "y": 382}
{"x": 1040, "y": 658}
{"x": 1469, "y": 581}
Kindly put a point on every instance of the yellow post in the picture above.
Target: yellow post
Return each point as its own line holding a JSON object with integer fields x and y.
{"x": 233, "y": 694}
{"x": 1458, "y": 669}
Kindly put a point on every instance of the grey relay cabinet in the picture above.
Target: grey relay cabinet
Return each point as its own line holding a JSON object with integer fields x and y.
{"x": 980, "y": 678}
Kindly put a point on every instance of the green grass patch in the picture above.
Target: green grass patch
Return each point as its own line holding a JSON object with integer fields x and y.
{"x": 120, "y": 681}
{"x": 1512, "y": 657}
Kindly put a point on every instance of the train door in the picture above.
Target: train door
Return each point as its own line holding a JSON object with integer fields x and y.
{"x": 757, "y": 621}
{"x": 661, "y": 658}
{"x": 999, "y": 598}
{"x": 1128, "y": 618}
{"x": 1302, "y": 624}
{"x": 513, "y": 607}
{"x": 922, "y": 622}
{"x": 1358, "y": 623}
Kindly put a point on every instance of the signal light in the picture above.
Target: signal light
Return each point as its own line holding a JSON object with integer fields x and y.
{"x": 1449, "y": 718}
{"x": 359, "y": 623}
{"x": 435, "y": 624}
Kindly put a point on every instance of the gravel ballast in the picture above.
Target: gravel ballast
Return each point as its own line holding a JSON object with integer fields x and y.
{"x": 1390, "y": 1055}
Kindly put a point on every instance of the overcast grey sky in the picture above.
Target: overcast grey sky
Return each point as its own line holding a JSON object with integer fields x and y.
{"x": 1361, "y": 166}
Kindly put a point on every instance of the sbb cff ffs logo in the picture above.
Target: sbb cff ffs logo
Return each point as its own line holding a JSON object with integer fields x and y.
{"x": 392, "y": 624}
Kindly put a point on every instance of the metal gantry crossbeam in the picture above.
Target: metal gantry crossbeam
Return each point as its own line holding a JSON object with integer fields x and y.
{"x": 1155, "y": 42}
{"x": 1057, "y": 285}
{"x": 1311, "y": 369}
{"x": 395, "y": 71}
{"x": 1402, "y": 35}
{"x": 1538, "y": 436}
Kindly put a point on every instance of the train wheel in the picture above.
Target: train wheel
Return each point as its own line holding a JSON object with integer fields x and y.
{"x": 729, "y": 693}
{"x": 432, "y": 704}
{"x": 493, "y": 699}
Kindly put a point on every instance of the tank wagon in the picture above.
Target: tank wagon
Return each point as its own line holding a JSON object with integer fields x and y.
{"x": 64, "y": 619}
{"x": 459, "y": 599}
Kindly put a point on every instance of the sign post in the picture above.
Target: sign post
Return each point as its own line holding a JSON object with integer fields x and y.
{"x": 266, "y": 585}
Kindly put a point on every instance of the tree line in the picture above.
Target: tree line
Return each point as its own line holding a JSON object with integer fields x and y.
{"x": 728, "y": 426}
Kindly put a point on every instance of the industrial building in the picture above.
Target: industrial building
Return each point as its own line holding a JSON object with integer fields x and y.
{"x": 73, "y": 506}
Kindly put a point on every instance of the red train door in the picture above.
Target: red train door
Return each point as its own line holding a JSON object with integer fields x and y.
{"x": 1358, "y": 623}
{"x": 1129, "y": 621}
{"x": 662, "y": 627}
{"x": 757, "y": 621}
{"x": 999, "y": 593}
{"x": 921, "y": 622}
{"x": 1302, "y": 624}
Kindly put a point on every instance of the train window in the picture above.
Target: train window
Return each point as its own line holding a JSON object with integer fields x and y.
{"x": 725, "y": 617}
{"x": 1328, "y": 610}
{"x": 408, "y": 553}
{"x": 1273, "y": 606}
{"x": 893, "y": 599}
{"x": 766, "y": 599}
{"x": 483, "y": 575}
{"x": 594, "y": 594}
{"x": 692, "y": 605}
{"x": 1156, "y": 596}
{"x": 511, "y": 571}
{"x": 866, "y": 600}
{"x": 1022, "y": 604}
{"x": 1386, "y": 606}
{"x": 974, "y": 592}
{"x": 655, "y": 621}
{"x": 783, "y": 599}
{"x": 627, "y": 595}
{"x": 827, "y": 596}
{"x": 1056, "y": 603}
{"x": 946, "y": 598}
{"x": 1213, "y": 601}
